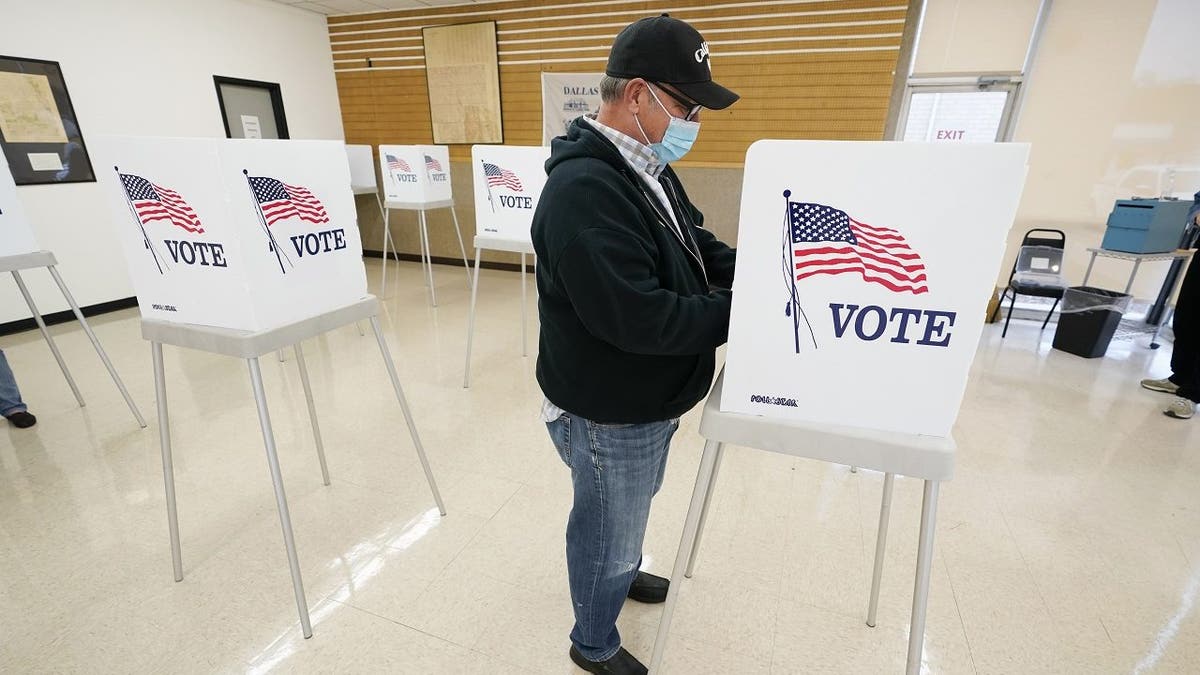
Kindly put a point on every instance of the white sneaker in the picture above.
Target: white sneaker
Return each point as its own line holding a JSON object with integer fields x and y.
{"x": 1181, "y": 408}
{"x": 1165, "y": 386}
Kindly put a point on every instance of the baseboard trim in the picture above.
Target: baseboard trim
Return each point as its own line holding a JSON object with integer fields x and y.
{"x": 454, "y": 262}
{"x": 66, "y": 315}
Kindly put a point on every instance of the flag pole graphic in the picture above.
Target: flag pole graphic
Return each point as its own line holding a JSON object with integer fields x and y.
{"x": 262, "y": 220}
{"x": 789, "y": 266}
{"x": 489, "y": 187}
{"x": 141, "y": 225}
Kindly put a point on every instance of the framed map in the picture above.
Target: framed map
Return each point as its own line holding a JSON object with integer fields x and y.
{"x": 39, "y": 133}
{"x": 462, "y": 70}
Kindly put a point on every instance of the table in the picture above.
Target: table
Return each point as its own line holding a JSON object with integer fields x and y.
{"x": 250, "y": 346}
{"x": 15, "y": 264}
{"x": 1136, "y": 258}
{"x": 926, "y": 457}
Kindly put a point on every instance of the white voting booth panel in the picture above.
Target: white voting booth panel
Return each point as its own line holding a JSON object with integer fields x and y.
{"x": 415, "y": 176}
{"x": 16, "y": 236}
{"x": 862, "y": 279}
{"x": 508, "y": 182}
{"x": 234, "y": 233}
{"x": 362, "y": 169}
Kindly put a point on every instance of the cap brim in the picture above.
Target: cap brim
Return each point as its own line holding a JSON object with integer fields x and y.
{"x": 708, "y": 94}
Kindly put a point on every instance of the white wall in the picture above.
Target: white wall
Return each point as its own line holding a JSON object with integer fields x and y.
{"x": 146, "y": 67}
{"x": 1114, "y": 97}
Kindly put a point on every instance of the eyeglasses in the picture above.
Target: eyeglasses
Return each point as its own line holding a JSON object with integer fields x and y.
{"x": 693, "y": 108}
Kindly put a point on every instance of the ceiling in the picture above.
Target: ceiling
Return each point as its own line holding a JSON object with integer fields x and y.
{"x": 351, "y": 6}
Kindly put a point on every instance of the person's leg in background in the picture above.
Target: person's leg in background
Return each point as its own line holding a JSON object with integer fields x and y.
{"x": 1185, "y": 355}
{"x": 11, "y": 405}
{"x": 615, "y": 469}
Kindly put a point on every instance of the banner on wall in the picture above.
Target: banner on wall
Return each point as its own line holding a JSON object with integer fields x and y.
{"x": 862, "y": 278}
{"x": 415, "y": 176}
{"x": 239, "y": 234}
{"x": 566, "y": 96}
{"x": 16, "y": 235}
{"x": 508, "y": 183}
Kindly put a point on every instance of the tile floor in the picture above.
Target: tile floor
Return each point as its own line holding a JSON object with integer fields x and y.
{"x": 1068, "y": 542}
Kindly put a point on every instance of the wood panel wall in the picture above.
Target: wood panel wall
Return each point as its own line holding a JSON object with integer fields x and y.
{"x": 817, "y": 69}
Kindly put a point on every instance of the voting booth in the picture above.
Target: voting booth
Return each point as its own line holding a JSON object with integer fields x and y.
{"x": 19, "y": 251}
{"x": 417, "y": 178}
{"x": 862, "y": 278}
{"x": 508, "y": 182}
{"x": 234, "y": 233}
{"x": 241, "y": 248}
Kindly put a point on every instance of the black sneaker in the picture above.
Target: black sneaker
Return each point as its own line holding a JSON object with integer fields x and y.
{"x": 621, "y": 663}
{"x": 649, "y": 588}
{"x": 21, "y": 420}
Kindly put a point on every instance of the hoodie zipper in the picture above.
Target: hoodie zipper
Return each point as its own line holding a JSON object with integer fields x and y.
{"x": 665, "y": 222}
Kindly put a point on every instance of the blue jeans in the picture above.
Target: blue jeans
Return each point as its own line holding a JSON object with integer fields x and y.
{"x": 616, "y": 470}
{"x": 10, "y": 396}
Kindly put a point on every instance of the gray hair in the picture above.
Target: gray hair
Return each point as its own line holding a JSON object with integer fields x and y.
{"x": 612, "y": 88}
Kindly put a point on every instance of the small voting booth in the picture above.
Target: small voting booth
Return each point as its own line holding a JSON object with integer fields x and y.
{"x": 242, "y": 248}
{"x": 508, "y": 182}
{"x": 417, "y": 178}
{"x": 19, "y": 251}
{"x": 862, "y": 276}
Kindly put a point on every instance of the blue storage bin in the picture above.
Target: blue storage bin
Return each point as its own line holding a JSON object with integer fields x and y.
{"x": 1145, "y": 225}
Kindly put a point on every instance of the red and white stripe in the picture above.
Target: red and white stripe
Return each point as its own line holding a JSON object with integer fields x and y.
{"x": 881, "y": 256}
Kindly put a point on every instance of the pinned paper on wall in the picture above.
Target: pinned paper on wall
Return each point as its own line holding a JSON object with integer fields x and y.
{"x": 862, "y": 277}
{"x": 251, "y": 127}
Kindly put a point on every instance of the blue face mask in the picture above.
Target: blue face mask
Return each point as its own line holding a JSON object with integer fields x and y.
{"x": 678, "y": 138}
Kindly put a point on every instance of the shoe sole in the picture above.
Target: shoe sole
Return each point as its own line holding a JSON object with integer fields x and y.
{"x": 1171, "y": 414}
{"x": 1161, "y": 390}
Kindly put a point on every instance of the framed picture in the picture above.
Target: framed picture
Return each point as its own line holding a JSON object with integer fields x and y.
{"x": 251, "y": 109}
{"x": 39, "y": 133}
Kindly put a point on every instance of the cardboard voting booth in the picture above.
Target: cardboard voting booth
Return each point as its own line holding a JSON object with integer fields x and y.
{"x": 239, "y": 234}
{"x": 362, "y": 169}
{"x": 508, "y": 182}
{"x": 16, "y": 236}
{"x": 862, "y": 274}
{"x": 415, "y": 176}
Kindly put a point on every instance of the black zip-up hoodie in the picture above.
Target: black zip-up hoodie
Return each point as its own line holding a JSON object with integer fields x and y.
{"x": 630, "y": 318}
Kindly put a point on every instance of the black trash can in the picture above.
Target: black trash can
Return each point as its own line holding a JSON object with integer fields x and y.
{"x": 1089, "y": 319}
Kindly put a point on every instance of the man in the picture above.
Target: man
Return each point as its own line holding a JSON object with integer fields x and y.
{"x": 1184, "y": 381}
{"x": 11, "y": 406}
{"x": 634, "y": 300}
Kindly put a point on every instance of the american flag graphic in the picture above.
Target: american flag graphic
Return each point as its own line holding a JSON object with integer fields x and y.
{"x": 826, "y": 240}
{"x": 396, "y": 164}
{"x": 497, "y": 176}
{"x": 155, "y": 202}
{"x": 432, "y": 164}
{"x": 280, "y": 201}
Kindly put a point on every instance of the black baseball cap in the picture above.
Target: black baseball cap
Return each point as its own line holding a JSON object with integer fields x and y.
{"x": 667, "y": 50}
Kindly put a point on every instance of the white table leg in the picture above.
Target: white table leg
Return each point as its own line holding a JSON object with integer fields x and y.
{"x": 708, "y": 463}
{"x": 1088, "y": 274}
{"x": 312, "y": 412}
{"x": 916, "y": 632}
{"x": 87, "y": 329}
{"x": 461, "y": 246}
{"x": 427, "y": 253}
{"x": 885, "y": 513}
{"x": 524, "y": 310}
{"x": 387, "y": 236}
{"x": 471, "y": 323}
{"x": 712, "y": 486}
{"x": 279, "y": 355}
{"x": 412, "y": 426}
{"x": 164, "y": 443}
{"x": 37, "y": 317}
{"x": 285, "y": 518}
{"x": 1136, "y": 264}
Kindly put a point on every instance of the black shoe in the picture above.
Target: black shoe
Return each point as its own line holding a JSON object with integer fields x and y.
{"x": 648, "y": 588}
{"x": 22, "y": 420}
{"x": 621, "y": 663}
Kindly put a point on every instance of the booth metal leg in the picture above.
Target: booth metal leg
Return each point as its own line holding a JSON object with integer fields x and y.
{"x": 885, "y": 513}
{"x": 164, "y": 443}
{"x": 524, "y": 310}
{"x": 408, "y": 418}
{"x": 461, "y": 246}
{"x": 712, "y": 486}
{"x": 312, "y": 412}
{"x": 471, "y": 323}
{"x": 37, "y": 317}
{"x": 691, "y": 526}
{"x": 916, "y": 632}
{"x": 427, "y": 256}
{"x": 285, "y": 518}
